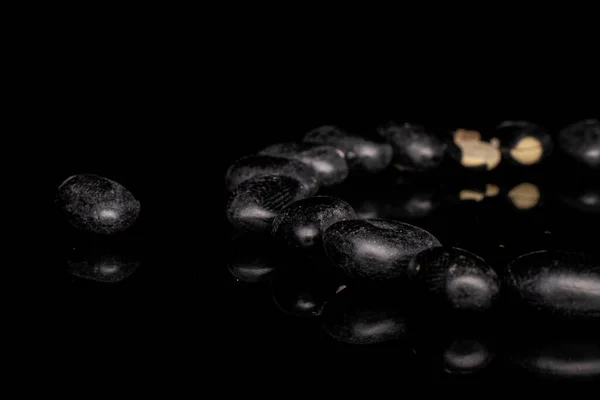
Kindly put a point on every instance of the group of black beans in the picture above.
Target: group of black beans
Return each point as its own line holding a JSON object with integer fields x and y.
{"x": 274, "y": 193}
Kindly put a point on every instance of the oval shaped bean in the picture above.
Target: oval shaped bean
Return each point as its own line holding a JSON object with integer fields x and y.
{"x": 301, "y": 224}
{"x": 329, "y": 162}
{"x": 375, "y": 249}
{"x": 559, "y": 282}
{"x": 360, "y": 153}
{"x": 256, "y": 165}
{"x": 97, "y": 204}
{"x": 256, "y": 202}
{"x": 456, "y": 278}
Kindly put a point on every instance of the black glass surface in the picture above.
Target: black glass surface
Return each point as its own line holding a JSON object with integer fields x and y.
{"x": 181, "y": 287}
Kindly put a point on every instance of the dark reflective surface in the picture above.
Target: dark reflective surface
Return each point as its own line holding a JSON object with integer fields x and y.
{"x": 498, "y": 217}
{"x": 296, "y": 311}
{"x": 173, "y": 290}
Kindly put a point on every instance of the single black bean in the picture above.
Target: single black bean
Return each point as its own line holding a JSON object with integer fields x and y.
{"x": 255, "y": 165}
{"x": 96, "y": 204}
{"x": 256, "y": 202}
{"x": 581, "y": 142}
{"x": 456, "y": 278}
{"x": 301, "y": 224}
{"x": 360, "y": 153}
{"x": 329, "y": 162}
{"x": 523, "y": 143}
{"x": 557, "y": 282}
{"x": 375, "y": 249}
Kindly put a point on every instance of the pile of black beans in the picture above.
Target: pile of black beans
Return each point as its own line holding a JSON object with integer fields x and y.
{"x": 275, "y": 195}
{"x": 275, "y": 192}
{"x": 263, "y": 184}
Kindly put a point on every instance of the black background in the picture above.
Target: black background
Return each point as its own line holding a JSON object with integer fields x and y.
{"x": 168, "y": 131}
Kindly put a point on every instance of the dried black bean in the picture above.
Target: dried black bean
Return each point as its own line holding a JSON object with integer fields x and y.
{"x": 375, "y": 248}
{"x": 456, "y": 278}
{"x": 256, "y": 165}
{"x": 301, "y": 224}
{"x": 256, "y": 202}
{"x": 96, "y": 204}
{"x": 361, "y": 154}
{"x": 329, "y": 162}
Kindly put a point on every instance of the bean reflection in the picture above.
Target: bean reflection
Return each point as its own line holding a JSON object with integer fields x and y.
{"x": 556, "y": 283}
{"x": 301, "y": 289}
{"x": 525, "y": 196}
{"x": 102, "y": 262}
{"x": 364, "y": 315}
{"x": 584, "y": 199}
{"x": 455, "y": 344}
{"x": 251, "y": 258}
{"x": 465, "y": 356}
{"x": 403, "y": 201}
{"x": 564, "y": 358}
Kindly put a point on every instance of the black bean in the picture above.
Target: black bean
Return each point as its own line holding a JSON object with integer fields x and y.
{"x": 414, "y": 147}
{"x": 558, "y": 282}
{"x": 359, "y": 315}
{"x": 329, "y": 162}
{"x": 456, "y": 278}
{"x": 256, "y": 202}
{"x": 581, "y": 142}
{"x": 96, "y": 204}
{"x": 375, "y": 249}
{"x": 256, "y": 165}
{"x": 301, "y": 224}
{"x": 360, "y": 153}
{"x": 523, "y": 143}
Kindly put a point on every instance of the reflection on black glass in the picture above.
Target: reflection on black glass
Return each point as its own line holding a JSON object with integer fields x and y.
{"x": 364, "y": 315}
{"x": 405, "y": 201}
{"x": 251, "y": 258}
{"x": 302, "y": 287}
{"x": 525, "y": 196}
{"x": 584, "y": 199}
{"x": 465, "y": 356}
{"x": 478, "y": 193}
{"x": 565, "y": 358}
{"x": 103, "y": 263}
{"x": 455, "y": 343}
